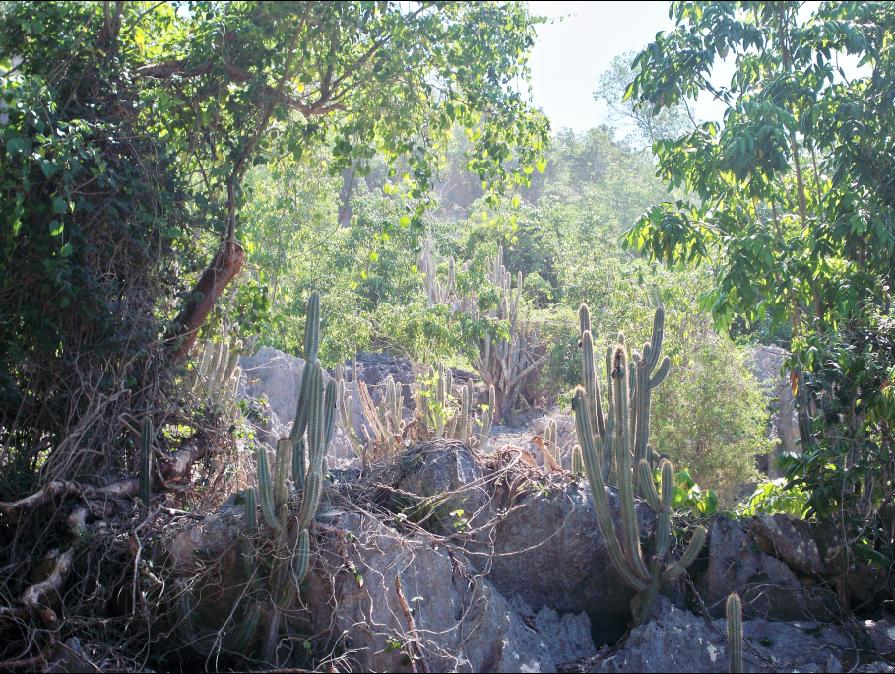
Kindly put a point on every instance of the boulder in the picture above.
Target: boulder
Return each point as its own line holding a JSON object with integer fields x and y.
{"x": 276, "y": 375}
{"x": 546, "y": 547}
{"x": 769, "y": 588}
{"x": 790, "y": 540}
{"x": 460, "y": 622}
{"x": 679, "y": 641}
{"x": 449, "y": 476}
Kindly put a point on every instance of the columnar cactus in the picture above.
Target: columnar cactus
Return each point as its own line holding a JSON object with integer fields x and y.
{"x": 487, "y": 415}
{"x": 504, "y": 363}
{"x": 215, "y": 377}
{"x": 303, "y": 451}
{"x": 501, "y": 362}
{"x": 621, "y": 441}
{"x": 440, "y": 414}
{"x": 460, "y": 425}
{"x": 342, "y": 398}
{"x": 388, "y": 422}
{"x": 643, "y": 378}
{"x": 735, "y": 633}
{"x": 577, "y": 460}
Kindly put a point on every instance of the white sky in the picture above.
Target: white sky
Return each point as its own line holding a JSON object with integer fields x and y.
{"x": 572, "y": 52}
{"x": 578, "y": 43}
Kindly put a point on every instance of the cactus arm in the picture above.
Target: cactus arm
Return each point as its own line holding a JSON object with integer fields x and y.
{"x": 689, "y": 556}
{"x": 329, "y": 412}
{"x": 661, "y": 373}
{"x": 310, "y": 501}
{"x": 301, "y": 558}
{"x": 649, "y": 486}
{"x": 312, "y": 328}
{"x": 250, "y": 507}
{"x": 265, "y": 489}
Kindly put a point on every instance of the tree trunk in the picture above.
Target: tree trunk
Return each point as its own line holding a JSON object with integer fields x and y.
{"x": 226, "y": 264}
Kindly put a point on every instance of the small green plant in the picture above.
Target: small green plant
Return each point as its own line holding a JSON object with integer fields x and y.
{"x": 773, "y": 497}
{"x": 688, "y": 495}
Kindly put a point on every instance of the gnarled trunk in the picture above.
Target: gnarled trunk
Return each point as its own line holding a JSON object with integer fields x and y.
{"x": 225, "y": 265}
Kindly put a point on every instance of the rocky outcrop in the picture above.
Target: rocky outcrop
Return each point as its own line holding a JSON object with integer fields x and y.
{"x": 460, "y": 622}
{"x": 533, "y": 536}
{"x": 274, "y": 375}
{"x": 679, "y": 641}
{"x": 545, "y": 546}
{"x": 769, "y": 588}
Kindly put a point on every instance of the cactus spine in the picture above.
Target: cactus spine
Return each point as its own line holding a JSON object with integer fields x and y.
{"x": 623, "y": 442}
{"x": 735, "y": 633}
{"x": 146, "y": 462}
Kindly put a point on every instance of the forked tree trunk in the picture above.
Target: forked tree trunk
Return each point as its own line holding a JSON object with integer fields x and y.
{"x": 225, "y": 265}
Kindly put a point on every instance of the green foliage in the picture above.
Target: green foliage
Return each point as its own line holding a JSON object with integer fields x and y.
{"x": 688, "y": 495}
{"x": 792, "y": 202}
{"x": 128, "y": 132}
{"x": 774, "y": 496}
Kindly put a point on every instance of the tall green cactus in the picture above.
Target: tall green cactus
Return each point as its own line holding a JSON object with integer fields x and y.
{"x": 735, "y": 633}
{"x": 622, "y": 442}
{"x": 643, "y": 378}
{"x": 303, "y": 451}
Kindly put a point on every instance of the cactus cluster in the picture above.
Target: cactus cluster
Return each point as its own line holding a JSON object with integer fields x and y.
{"x": 615, "y": 446}
{"x": 505, "y": 362}
{"x": 303, "y": 454}
{"x": 549, "y": 446}
{"x": 215, "y": 376}
{"x": 441, "y": 414}
{"x": 502, "y": 362}
{"x": 735, "y": 633}
{"x": 643, "y": 378}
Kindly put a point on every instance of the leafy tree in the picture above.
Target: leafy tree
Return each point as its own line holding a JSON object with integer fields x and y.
{"x": 670, "y": 122}
{"x": 792, "y": 200}
{"x": 129, "y": 130}
{"x": 257, "y": 79}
